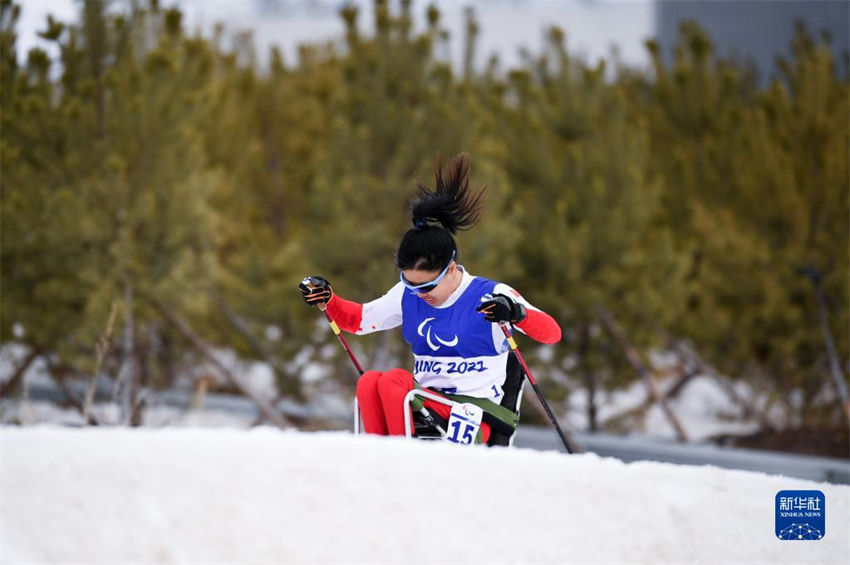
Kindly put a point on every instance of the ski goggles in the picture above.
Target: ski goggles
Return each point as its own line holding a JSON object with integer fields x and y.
{"x": 427, "y": 287}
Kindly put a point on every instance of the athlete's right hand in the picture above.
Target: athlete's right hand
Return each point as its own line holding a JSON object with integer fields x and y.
{"x": 316, "y": 290}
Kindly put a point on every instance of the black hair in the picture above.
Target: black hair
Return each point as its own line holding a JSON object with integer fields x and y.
{"x": 437, "y": 215}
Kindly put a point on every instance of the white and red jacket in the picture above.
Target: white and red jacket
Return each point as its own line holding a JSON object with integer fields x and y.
{"x": 456, "y": 350}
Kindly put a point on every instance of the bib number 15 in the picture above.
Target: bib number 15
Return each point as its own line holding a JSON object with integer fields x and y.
{"x": 464, "y": 422}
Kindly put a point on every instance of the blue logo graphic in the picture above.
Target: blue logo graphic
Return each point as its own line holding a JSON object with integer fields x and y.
{"x": 800, "y": 515}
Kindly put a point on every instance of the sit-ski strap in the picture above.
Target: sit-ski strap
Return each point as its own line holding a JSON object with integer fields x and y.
{"x": 501, "y": 419}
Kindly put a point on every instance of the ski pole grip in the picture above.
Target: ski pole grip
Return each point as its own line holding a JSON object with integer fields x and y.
{"x": 308, "y": 282}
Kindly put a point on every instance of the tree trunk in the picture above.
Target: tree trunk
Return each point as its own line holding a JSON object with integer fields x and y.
{"x": 9, "y": 386}
{"x": 59, "y": 373}
{"x": 834, "y": 365}
{"x": 101, "y": 349}
{"x": 292, "y": 386}
{"x": 634, "y": 358}
{"x": 589, "y": 377}
{"x": 676, "y": 388}
{"x": 701, "y": 366}
{"x": 266, "y": 409}
{"x": 129, "y": 379}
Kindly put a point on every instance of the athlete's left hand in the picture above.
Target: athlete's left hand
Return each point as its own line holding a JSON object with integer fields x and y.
{"x": 501, "y": 308}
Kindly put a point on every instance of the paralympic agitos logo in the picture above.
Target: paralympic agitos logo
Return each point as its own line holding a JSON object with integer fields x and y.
{"x": 428, "y": 336}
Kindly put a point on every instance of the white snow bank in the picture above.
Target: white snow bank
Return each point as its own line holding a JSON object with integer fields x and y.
{"x": 199, "y": 495}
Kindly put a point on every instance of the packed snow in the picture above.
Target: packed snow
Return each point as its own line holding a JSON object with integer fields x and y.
{"x": 118, "y": 495}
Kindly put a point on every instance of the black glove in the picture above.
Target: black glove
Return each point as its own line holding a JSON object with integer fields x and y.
{"x": 316, "y": 290}
{"x": 501, "y": 308}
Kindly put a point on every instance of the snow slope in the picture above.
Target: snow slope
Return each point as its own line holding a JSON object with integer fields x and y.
{"x": 216, "y": 495}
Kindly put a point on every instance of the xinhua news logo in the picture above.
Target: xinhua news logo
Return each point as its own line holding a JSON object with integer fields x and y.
{"x": 800, "y": 515}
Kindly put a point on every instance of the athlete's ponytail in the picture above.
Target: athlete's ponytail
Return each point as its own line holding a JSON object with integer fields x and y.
{"x": 438, "y": 214}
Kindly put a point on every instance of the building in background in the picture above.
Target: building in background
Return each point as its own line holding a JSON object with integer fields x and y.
{"x": 757, "y": 31}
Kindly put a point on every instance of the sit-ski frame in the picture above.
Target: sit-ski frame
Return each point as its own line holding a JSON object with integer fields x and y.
{"x": 408, "y": 411}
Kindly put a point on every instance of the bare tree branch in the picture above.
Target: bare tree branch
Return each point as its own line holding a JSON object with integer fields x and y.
{"x": 834, "y": 365}
{"x": 59, "y": 374}
{"x": 259, "y": 350}
{"x": 101, "y": 349}
{"x": 634, "y": 358}
{"x": 266, "y": 409}
{"x": 15, "y": 380}
{"x": 701, "y": 366}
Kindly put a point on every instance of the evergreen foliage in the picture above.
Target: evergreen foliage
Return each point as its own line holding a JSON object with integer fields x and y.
{"x": 144, "y": 162}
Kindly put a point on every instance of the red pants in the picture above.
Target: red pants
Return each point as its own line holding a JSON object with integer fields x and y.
{"x": 381, "y": 399}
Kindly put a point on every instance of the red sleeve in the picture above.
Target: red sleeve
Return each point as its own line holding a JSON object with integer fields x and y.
{"x": 540, "y": 326}
{"x": 348, "y": 315}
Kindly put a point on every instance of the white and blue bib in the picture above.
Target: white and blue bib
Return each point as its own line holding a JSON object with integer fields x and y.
{"x": 453, "y": 347}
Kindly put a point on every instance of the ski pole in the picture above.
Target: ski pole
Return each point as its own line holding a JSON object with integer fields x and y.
{"x": 338, "y": 333}
{"x": 429, "y": 419}
{"x": 568, "y": 443}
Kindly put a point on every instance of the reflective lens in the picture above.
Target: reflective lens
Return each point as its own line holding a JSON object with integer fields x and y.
{"x": 427, "y": 287}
